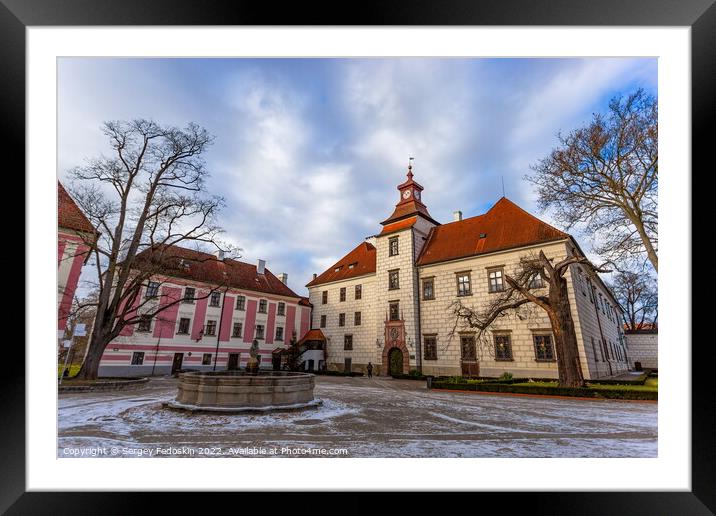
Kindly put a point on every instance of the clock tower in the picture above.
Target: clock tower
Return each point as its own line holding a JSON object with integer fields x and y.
{"x": 397, "y": 288}
{"x": 410, "y": 202}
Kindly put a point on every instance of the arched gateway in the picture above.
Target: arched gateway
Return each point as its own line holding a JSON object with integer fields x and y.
{"x": 396, "y": 359}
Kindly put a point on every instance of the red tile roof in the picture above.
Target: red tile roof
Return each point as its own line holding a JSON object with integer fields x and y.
{"x": 69, "y": 215}
{"x": 505, "y": 226}
{"x": 401, "y": 224}
{"x": 362, "y": 258}
{"x": 179, "y": 262}
{"x": 304, "y": 302}
{"x": 312, "y": 335}
{"x": 407, "y": 209}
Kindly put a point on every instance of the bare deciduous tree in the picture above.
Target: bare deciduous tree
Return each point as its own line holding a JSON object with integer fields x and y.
{"x": 148, "y": 197}
{"x": 637, "y": 295}
{"x": 523, "y": 288}
{"x": 605, "y": 176}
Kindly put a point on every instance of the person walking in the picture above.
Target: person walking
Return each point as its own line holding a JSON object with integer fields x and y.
{"x": 370, "y": 370}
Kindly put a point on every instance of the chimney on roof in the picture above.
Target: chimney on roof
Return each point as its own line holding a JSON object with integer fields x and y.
{"x": 315, "y": 275}
{"x": 457, "y": 216}
{"x": 261, "y": 266}
{"x": 219, "y": 254}
{"x": 283, "y": 277}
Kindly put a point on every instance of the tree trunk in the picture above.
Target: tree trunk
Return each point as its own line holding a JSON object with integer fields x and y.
{"x": 95, "y": 348}
{"x": 648, "y": 246}
{"x": 565, "y": 338}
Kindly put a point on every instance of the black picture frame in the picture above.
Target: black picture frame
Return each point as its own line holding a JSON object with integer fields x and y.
{"x": 700, "y": 15}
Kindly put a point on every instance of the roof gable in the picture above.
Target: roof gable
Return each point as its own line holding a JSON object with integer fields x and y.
{"x": 69, "y": 215}
{"x": 358, "y": 262}
{"x": 504, "y": 226}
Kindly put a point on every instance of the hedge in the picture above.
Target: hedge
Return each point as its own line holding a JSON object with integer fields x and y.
{"x": 584, "y": 392}
{"x": 409, "y": 376}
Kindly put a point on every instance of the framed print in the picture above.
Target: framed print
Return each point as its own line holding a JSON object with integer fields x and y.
{"x": 414, "y": 250}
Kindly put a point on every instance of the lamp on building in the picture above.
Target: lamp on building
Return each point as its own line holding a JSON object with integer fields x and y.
{"x": 378, "y": 344}
{"x": 410, "y": 343}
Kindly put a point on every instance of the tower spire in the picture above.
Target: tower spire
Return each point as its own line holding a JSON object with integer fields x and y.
{"x": 410, "y": 167}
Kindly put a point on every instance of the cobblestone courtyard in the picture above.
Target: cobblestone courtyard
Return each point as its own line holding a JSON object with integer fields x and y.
{"x": 380, "y": 417}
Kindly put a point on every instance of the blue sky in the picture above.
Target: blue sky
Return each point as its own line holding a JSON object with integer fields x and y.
{"x": 308, "y": 152}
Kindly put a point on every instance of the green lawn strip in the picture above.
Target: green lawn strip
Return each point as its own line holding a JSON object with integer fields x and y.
{"x": 548, "y": 388}
{"x": 595, "y": 386}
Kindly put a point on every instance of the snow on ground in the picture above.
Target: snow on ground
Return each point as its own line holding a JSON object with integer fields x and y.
{"x": 368, "y": 418}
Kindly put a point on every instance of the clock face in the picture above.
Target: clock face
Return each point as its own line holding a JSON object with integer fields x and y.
{"x": 394, "y": 333}
{"x": 406, "y": 194}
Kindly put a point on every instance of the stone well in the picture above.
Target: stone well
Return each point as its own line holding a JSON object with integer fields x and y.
{"x": 239, "y": 391}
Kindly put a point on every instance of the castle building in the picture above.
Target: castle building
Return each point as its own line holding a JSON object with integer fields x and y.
{"x": 216, "y": 308}
{"x": 74, "y": 234}
{"x": 388, "y": 301}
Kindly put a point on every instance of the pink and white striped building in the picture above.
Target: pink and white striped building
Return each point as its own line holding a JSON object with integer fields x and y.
{"x": 74, "y": 232}
{"x": 211, "y": 332}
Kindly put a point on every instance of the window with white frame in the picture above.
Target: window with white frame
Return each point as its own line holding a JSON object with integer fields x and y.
{"x": 495, "y": 280}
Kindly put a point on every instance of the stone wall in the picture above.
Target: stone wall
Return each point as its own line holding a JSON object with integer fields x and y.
{"x": 437, "y": 318}
{"x": 643, "y": 347}
{"x": 364, "y": 335}
{"x": 598, "y": 323}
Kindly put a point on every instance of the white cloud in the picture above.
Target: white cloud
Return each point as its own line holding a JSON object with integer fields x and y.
{"x": 308, "y": 161}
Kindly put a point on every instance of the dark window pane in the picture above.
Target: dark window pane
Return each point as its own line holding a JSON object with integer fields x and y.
{"x": 394, "y": 311}
{"x": 428, "y": 289}
{"x": 543, "y": 347}
{"x": 431, "y": 348}
{"x": 503, "y": 347}
{"x": 183, "y": 325}
{"x": 467, "y": 348}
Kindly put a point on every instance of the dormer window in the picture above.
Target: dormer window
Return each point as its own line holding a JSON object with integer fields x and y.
{"x": 338, "y": 268}
{"x": 152, "y": 289}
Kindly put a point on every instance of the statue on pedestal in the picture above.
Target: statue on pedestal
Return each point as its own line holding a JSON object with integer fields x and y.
{"x": 252, "y": 366}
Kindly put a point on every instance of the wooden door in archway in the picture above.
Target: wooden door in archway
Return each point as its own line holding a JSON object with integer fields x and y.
{"x": 395, "y": 361}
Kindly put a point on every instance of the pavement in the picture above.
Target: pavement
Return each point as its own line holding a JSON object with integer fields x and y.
{"x": 359, "y": 417}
